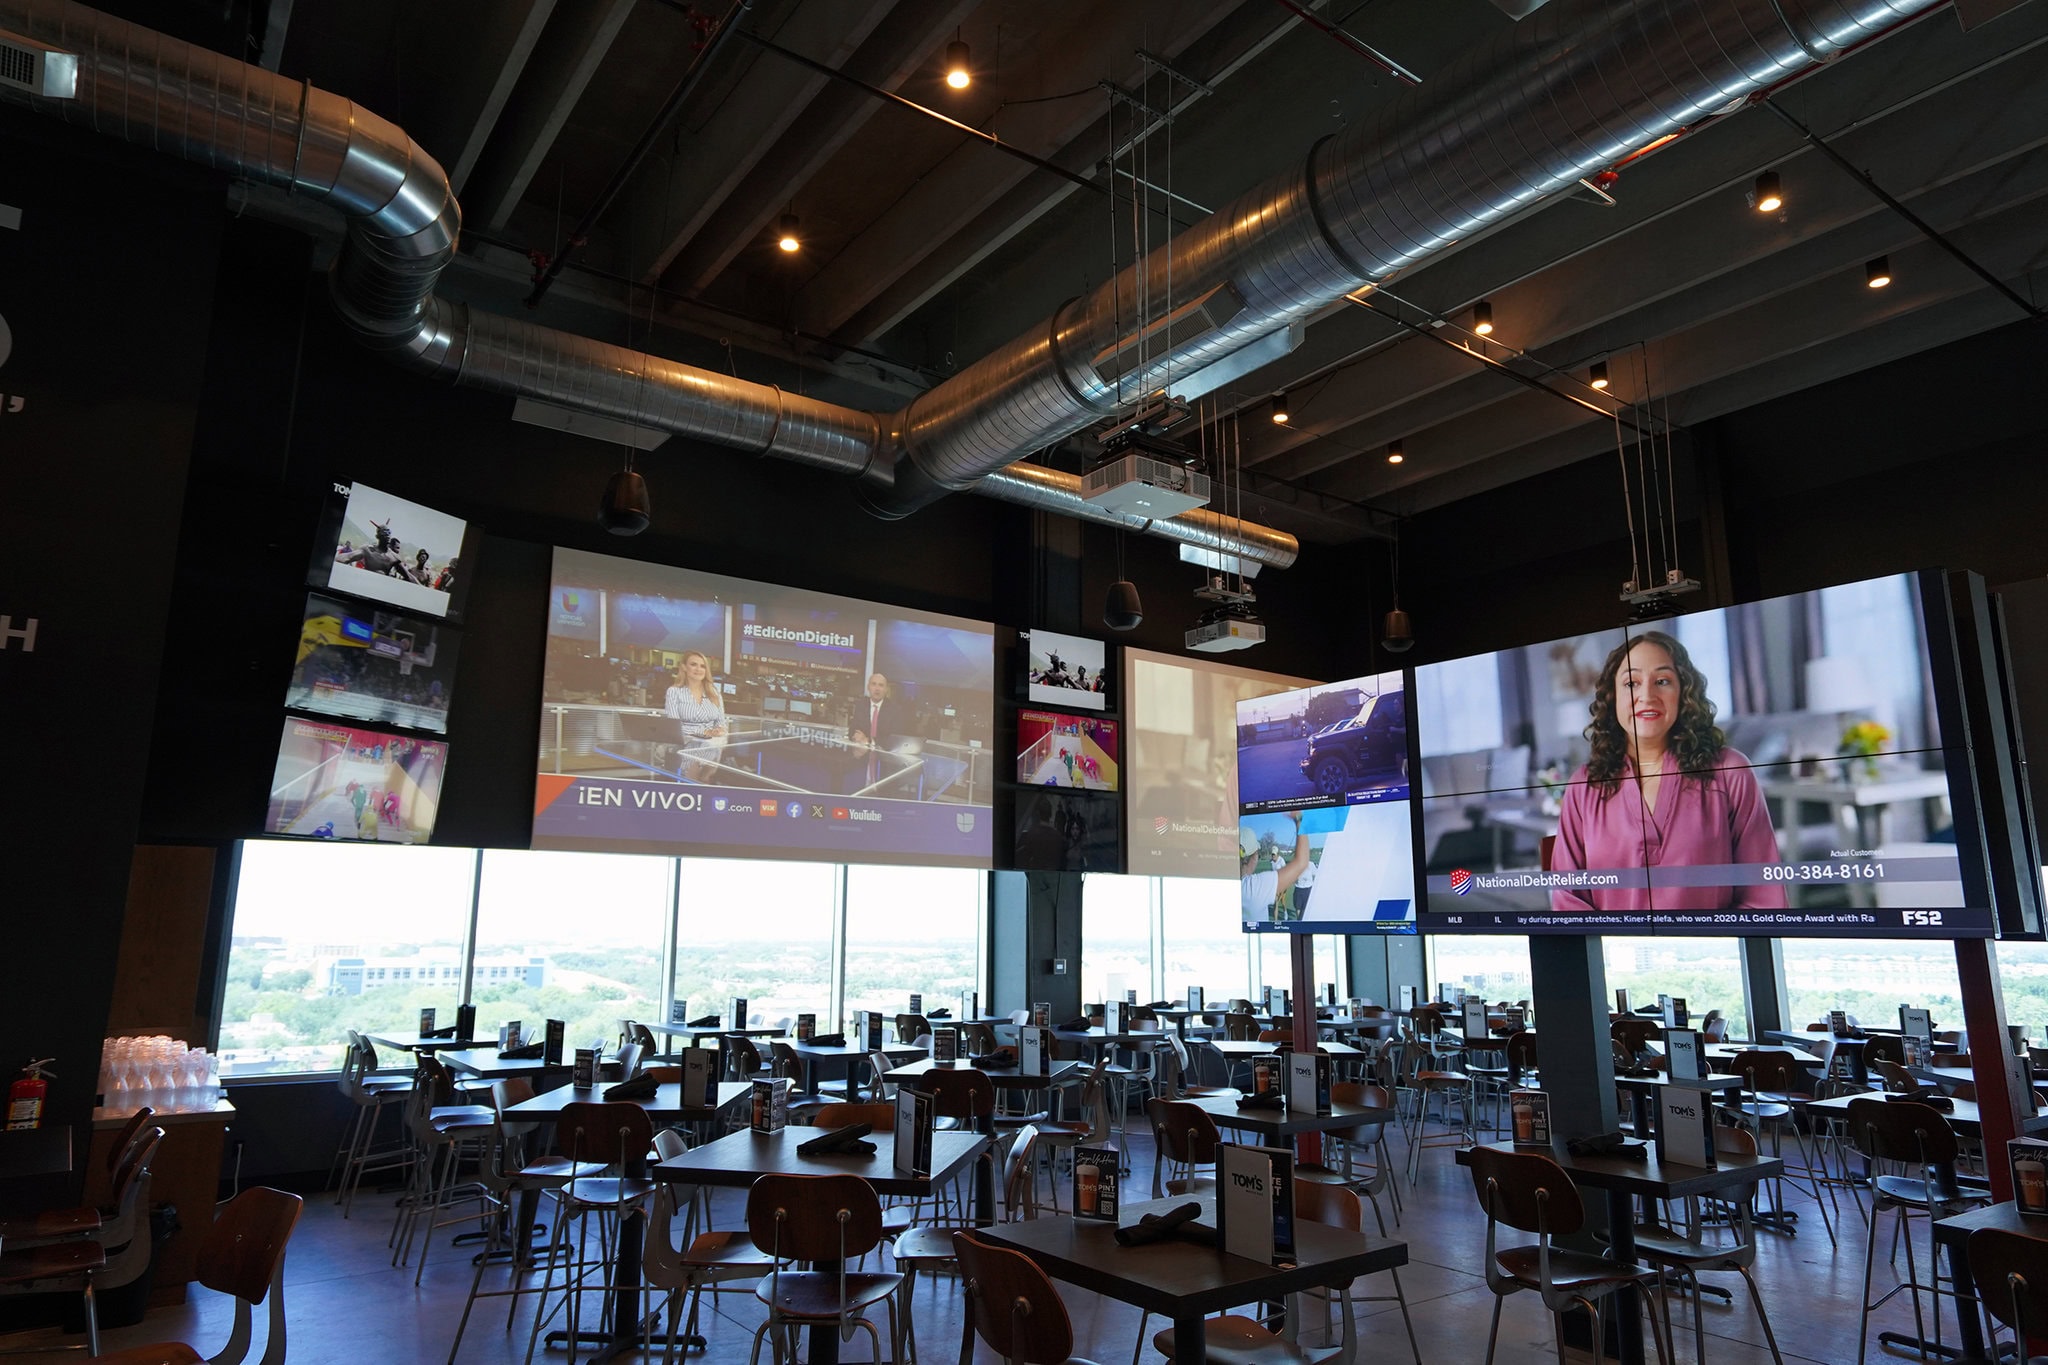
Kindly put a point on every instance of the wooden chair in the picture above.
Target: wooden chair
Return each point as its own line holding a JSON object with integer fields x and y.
{"x": 1183, "y": 1134}
{"x": 1063, "y": 1135}
{"x": 59, "y": 1253}
{"x": 615, "y": 1135}
{"x": 1370, "y": 1138}
{"x": 880, "y": 1117}
{"x": 1240, "y": 1028}
{"x": 1915, "y": 1143}
{"x": 1690, "y": 1255}
{"x": 710, "y": 1260}
{"x": 929, "y": 1246}
{"x": 1012, "y": 1306}
{"x": 2011, "y": 1272}
{"x": 1531, "y": 1193}
{"x": 828, "y": 1219}
{"x": 911, "y": 1027}
{"x": 242, "y": 1255}
{"x": 1774, "y": 1088}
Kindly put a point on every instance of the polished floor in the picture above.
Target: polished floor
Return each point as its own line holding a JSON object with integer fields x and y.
{"x": 347, "y": 1303}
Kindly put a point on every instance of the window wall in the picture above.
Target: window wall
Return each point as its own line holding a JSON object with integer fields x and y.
{"x": 1160, "y": 935}
{"x": 1871, "y": 978}
{"x": 1705, "y": 972}
{"x": 1119, "y": 933}
{"x": 1202, "y": 938}
{"x": 329, "y": 937}
{"x": 1495, "y": 966}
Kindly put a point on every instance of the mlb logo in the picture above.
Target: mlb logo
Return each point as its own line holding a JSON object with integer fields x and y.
{"x": 1161, "y": 824}
{"x": 769, "y": 808}
{"x": 1461, "y": 882}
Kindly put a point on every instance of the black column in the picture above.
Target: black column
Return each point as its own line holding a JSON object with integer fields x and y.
{"x": 1573, "y": 1048}
{"x": 1763, "y": 985}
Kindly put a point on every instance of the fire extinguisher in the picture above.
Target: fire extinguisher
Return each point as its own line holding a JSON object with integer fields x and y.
{"x": 25, "y": 1097}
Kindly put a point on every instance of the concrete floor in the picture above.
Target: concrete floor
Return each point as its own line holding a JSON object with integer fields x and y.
{"x": 347, "y": 1303}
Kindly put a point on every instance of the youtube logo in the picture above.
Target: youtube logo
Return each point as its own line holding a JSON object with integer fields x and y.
{"x": 768, "y": 807}
{"x": 839, "y": 813}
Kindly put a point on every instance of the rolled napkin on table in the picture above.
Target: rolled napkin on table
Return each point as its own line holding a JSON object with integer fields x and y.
{"x": 642, "y": 1087}
{"x": 529, "y": 1053}
{"x": 1161, "y": 1005}
{"x": 827, "y": 1040}
{"x": 708, "y": 1021}
{"x": 938, "y": 1014}
{"x": 1931, "y": 1100}
{"x": 1272, "y": 1099}
{"x": 1002, "y": 1056}
{"x": 1154, "y": 1227}
{"x": 847, "y": 1141}
{"x": 1077, "y": 1025}
{"x": 448, "y": 1032}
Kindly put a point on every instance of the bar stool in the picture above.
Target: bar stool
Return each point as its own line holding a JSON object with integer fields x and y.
{"x": 616, "y": 1135}
{"x": 1917, "y": 1138}
{"x": 371, "y": 1093}
{"x": 1183, "y": 1134}
{"x": 829, "y": 1219}
{"x": 1448, "y": 1087}
{"x": 1769, "y": 1102}
{"x": 1690, "y": 1255}
{"x": 1012, "y": 1305}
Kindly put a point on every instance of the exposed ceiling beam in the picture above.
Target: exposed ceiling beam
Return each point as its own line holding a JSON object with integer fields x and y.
{"x": 575, "y": 42}
{"x": 478, "y": 50}
{"x": 899, "y": 45}
{"x": 752, "y": 120}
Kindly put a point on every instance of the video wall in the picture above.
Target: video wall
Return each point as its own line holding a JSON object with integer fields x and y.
{"x": 1776, "y": 767}
{"x": 685, "y": 712}
{"x": 1326, "y": 826}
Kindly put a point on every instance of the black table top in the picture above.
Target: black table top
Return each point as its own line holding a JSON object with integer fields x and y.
{"x": 1650, "y": 1178}
{"x": 1966, "y": 1118}
{"x": 711, "y": 1031}
{"x": 667, "y": 1103}
{"x": 1241, "y": 1047}
{"x": 2006, "y": 1217}
{"x": 848, "y": 1052}
{"x": 485, "y": 1064}
{"x": 999, "y": 1075}
{"x": 739, "y": 1159}
{"x": 1180, "y": 1278}
{"x": 1714, "y": 1081}
{"x": 1285, "y": 1123}
{"x": 412, "y": 1042}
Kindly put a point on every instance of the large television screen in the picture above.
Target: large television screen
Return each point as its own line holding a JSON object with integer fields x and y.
{"x": 377, "y": 545}
{"x": 375, "y": 666}
{"x": 1066, "y": 751}
{"x": 1326, "y": 826}
{"x": 684, "y": 712}
{"x": 1065, "y": 831}
{"x": 1066, "y": 670}
{"x": 1180, "y": 719}
{"x": 1771, "y": 768}
{"x": 342, "y": 782}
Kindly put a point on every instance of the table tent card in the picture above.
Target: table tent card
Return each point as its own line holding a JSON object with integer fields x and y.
{"x": 465, "y": 1022}
{"x": 426, "y": 1022}
{"x": 770, "y": 1108}
{"x": 1676, "y": 1015}
{"x": 736, "y": 1013}
{"x": 1475, "y": 1022}
{"x": 1308, "y": 1083}
{"x": 945, "y": 1046}
{"x": 1115, "y": 1017}
{"x": 679, "y": 1012}
{"x": 970, "y": 1006}
{"x": 916, "y": 1002}
{"x": 915, "y": 1112}
{"x": 867, "y": 1028}
{"x": 2029, "y": 1158}
{"x": 1621, "y": 1000}
{"x": 509, "y": 1035}
{"x": 1034, "y": 1050}
{"x": 1530, "y": 1110}
{"x": 1516, "y": 1018}
{"x": 1838, "y": 1023}
{"x": 1916, "y": 1023}
{"x": 1266, "y": 1075}
{"x": 1195, "y": 1002}
{"x": 554, "y": 1034}
{"x": 700, "y": 1077}
{"x": 1130, "y": 997}
{"x": 1041, "y": 1014}
{"x": 1684, "y": 1055}
{"x": 1685, "y": 1126}
{"x": 584, "y": 1075}
{"x": 1255, "y": 1203}
{"x": 1404, "y": 998}
{"x": 806, "y": 1027}
{"x": 1329, "y": 993}
{"x": 1095, "y": 1184}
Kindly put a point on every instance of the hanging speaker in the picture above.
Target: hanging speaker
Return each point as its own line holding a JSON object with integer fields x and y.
{"x": 1122, "y": 610}
{"x": 1397, "y": 633}
{"x": 625, "y": 509}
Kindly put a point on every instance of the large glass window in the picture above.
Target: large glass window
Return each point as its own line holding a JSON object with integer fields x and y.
{"x": 1705, "y": 972}
{"x": 329, "y": 937}
{"x": 570, "y": 936}
{"x": 1276, "y": 962}
{"x": 2023, "y": 972}
{"x": 1118, "y": 915}
{"x": 914, "y": 929}
{"x": 1202, "y": 940}
{"x": 1492, "y": 965}
{"x": 1871, "y": 978}
{"x": 760, "y": 930}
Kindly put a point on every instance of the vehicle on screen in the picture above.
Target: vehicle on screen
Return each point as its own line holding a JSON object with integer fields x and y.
{"x": 1369, "y": 745}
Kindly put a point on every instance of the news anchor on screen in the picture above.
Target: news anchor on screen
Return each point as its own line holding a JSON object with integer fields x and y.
{"x": 1662, "y": 789}
{"x": 877, "y": 720}
{"x": 696, "y": 701}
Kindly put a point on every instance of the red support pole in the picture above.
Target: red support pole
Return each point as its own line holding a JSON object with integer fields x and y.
{"x": 2004, "y": 1091}
{"x": 1302, "y": 999}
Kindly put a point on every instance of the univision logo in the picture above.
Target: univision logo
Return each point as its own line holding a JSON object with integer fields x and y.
{"x": 571, "y": 600}
{"x": 1461, "y": 882}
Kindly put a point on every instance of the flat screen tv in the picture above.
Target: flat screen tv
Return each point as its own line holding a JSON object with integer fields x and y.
{"x": 1054, "y": 750}
{"x": 1326, "y": 838}
{"x": 1776, "y": 768}
{"x": 389, "y": 549}
{"x": 1180, "y": 775}
{"x": 1066, "y": 670}
{"x": 1066, "y": 831}
{"x": 685, "y": 712}
{"x": 376, "y": 666}
{"x": 336, "y": 781}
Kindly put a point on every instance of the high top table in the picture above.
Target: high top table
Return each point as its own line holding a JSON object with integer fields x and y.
{"x": 1185, "y": 1280}
{"x": 415, "y": 1042}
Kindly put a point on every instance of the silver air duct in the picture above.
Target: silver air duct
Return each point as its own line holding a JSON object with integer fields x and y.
{"x": 1566, "y": 92}
{"x": 145, "y": 88}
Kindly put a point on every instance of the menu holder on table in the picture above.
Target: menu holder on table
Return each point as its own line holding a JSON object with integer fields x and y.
{"x": 1515, "y": 1018}
{"x": 945, "y": 1046}
{"x": 736, "y": 1010}
{"x": 583, "y": 1076}
{"x": 426, "y": 1023}
{"x": 465, "y": 1022}
{"x": 916, "y": 1002}
{"x": 770, "y": 1106}
{"x": 679, "y": 1012}
{"x": 1308, "y": 1083}
{"x": 1041, "y": 1014}
{"x": 1684, "y": 1056}
{"x": 1115, "y": 1016}
{"x": 1195, "y": 999}
{"x": 509, "y": 1034}
{"x": 1531, "y": 1112}
{"x": 1266, "y": 1073}
{"x": 916, "y": 1112}
{"x": 1838, "y": 1023}
{"x": 1916, "y": 1023}
{"x": 1255, "y": 1202}
{"x": 552, "y": 1038}
{"x": 1329, "y": 993}
{"x": 700, "y": 1077}
{"x": 1095, "y": 1184}
{"x": 2029, "y": 1158}
{"x": 1034, "y": 1050}
{"x": 1621, "y": 1000}
{"x": 1675, "y": 1013}
{"x": 1474, "y": 1020}
{"x": 1685, "y": 1126}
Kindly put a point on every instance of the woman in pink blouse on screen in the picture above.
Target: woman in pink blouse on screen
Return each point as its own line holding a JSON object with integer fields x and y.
{"x": 1662, "y": 790}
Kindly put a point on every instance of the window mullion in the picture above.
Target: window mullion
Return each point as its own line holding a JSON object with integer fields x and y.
{"x": 838, "y": 949}
{"x": 476, "y": 895}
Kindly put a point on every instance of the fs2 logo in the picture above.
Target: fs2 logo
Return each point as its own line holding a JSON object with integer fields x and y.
{"x": 1912, "y": 919}
{"x": 1461, "y": 882}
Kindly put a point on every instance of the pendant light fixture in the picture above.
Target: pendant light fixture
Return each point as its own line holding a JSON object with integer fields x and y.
{"x": 1397, "y": 632}
{"x": 1121, "y": 609}
{"x": 625, "y": 509}
{"x": 1767, "y": 197}
{"x": 959, "y": 75}
{"x": 1282, "y": 410}
{"x": 1598, "y": 378}
{"x": 1482, "y": 317}
{"x": 1877, "y": 273}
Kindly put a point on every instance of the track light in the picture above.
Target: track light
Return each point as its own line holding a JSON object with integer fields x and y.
{"x": 1281, "y": 412}
{"x": 1394, "y": 455}
{"x": 625, "y": 509}
{"x": 1768, "y": 197}
{"x": 1599, "y": 379}
{"x": 1878, "y": 273}
{"x": 1122, "y": 610}
{"x": 785, "y": 234}
{"x": 958, "y": 74}
{"x": 1482, "y": 317}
